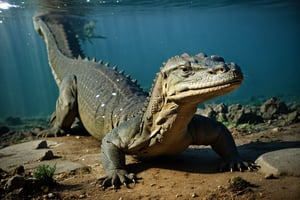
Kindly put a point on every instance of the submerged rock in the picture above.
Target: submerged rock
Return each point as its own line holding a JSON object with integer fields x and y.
{"x": 293, "y": 117}
{"x": 243, "y": 114}
{"x": 235, "y": 113}
{"x": 272, "y": 112}
{"x": 12, "y": 121}
{"x": 273, "y": 107}
{"x": 3, "y": 129}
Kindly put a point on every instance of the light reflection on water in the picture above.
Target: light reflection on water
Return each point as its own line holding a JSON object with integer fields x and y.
{"x": 261, "y": 36}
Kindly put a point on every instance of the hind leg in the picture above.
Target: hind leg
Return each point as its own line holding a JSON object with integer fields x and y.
{"x": 66, "y": 108}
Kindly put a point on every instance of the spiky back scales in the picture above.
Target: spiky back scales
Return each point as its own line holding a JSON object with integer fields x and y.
{"x": 106, "y": 98}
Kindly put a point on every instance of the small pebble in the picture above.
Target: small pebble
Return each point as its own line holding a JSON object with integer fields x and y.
{"x": 276, "y": 130}
{"x": 194, "y": 195}
{"x": 50, "y": 195}
{"x": 42, "y": 145}
{"x": 82, "y": 196}
{"x": 48, "y": 156}
{"x": 178, "y": 195}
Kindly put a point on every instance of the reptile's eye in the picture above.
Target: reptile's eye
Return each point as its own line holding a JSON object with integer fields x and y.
{"x": 186, "y": 70}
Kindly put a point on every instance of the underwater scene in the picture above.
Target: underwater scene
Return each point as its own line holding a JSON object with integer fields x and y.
{"x": 205, "y": 87}
{"x": 262, "y": 37}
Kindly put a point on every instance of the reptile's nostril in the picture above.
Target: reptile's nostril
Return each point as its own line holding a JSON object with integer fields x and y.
{"x": 221, "y": 68}
{"x": 211, "y": 71}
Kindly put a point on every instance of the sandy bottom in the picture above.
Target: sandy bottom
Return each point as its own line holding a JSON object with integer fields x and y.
{"x": 192, "y": 174}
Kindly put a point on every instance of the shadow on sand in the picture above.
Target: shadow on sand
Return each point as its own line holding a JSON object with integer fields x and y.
{"x": 205, "y": 160}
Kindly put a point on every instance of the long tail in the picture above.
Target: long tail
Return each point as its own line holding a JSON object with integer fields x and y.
{"x": 66, "y": 39}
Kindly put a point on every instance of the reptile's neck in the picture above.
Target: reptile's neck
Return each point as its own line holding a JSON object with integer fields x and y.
{"x": 162, "y": 115}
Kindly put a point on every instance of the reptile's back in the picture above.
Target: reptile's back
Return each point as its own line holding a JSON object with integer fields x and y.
{"x": 105, "y": 97}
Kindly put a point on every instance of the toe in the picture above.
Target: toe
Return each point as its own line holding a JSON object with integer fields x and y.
{"x": 116, "y": 178}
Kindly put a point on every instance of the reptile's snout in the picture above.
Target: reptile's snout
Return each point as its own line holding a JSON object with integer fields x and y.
{"x": 234, "y": 67}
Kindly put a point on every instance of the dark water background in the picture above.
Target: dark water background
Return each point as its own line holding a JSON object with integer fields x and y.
{"x": 263, "y": 37}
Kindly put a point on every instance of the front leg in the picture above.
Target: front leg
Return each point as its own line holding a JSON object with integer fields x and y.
{"x": 113, "y": 161}
{"x": 124, "y": 139}
{"x": 205, "y": 131}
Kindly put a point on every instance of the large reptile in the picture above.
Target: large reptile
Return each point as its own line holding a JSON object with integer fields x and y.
{"x": 112, "y": 108}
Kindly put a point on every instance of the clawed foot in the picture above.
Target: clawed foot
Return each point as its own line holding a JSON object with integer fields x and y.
{"x": 116, "y": 178}
{"x": 52, "y": 132}
{"x": 238, "y": 165}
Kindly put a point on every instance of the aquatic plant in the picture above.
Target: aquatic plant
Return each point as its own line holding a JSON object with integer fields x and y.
{"x": 45, "y": 174}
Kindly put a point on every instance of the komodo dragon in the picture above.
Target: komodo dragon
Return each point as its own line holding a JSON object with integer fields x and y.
{"x": 114, "y": 109}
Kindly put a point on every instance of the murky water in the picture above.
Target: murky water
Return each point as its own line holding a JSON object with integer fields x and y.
{"x": 261, "y": 36}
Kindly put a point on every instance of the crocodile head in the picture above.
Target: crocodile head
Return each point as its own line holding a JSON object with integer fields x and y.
{"x": 194, "y": 79}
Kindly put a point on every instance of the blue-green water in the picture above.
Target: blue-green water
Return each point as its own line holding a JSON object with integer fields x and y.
{"x": 261, "y": 36}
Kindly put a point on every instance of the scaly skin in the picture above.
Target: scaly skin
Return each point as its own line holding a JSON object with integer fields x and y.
{"x": 104, "y": 97}
{"x": 108, "y": 104}
{"x": 169, "y": 124}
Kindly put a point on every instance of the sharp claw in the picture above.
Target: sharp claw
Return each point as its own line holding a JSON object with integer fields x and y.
{"x": 104, "y": 182}
{"x": 239, "y": 165}
{"x": 114, "y": 188}
{"x": 102, "y": 187}
{"x": 116, "y": 179}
